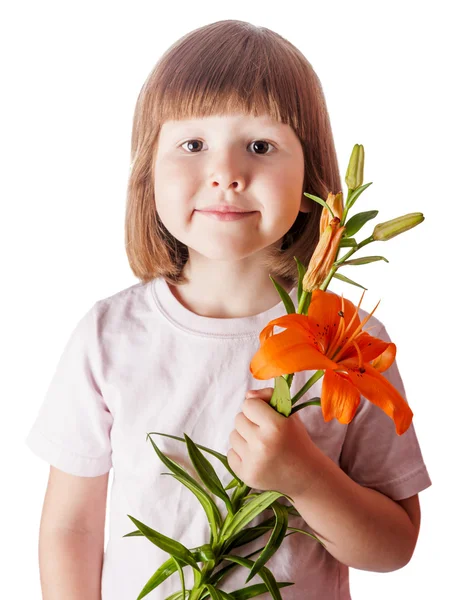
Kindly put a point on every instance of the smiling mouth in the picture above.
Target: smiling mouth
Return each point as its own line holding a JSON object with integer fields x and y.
{"x": 228, "y": 212}
{"x": 227, "y": 216}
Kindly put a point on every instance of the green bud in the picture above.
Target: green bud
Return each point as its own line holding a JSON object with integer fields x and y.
{"x": 355, "y": 172}
{"x": 389, "y": 229}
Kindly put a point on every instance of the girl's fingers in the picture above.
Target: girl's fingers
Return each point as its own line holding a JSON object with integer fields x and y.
{"x": 264, "y": 393}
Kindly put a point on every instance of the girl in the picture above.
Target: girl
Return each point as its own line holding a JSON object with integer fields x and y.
{"x": 230, "y": 129}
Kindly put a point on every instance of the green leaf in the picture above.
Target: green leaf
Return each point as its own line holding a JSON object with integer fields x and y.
{"x": 356, "y": 222}
{"x": 167, "y": 544}
{"x": 274, "y": 541}
{"x": 249, "y": 534}
{"x": 301, "y": 273}
{"x": 320, "y": 201}
{"x": 180, "y": 571}
{"x": 251, "y": 591}
{"x": 177, "y": 596}
{"x": 364, "y": 260}
{"x": 218, "y": 455}
{"x": 219, "y": 575}
{"x": 347, "y": 242}
{"x": 172, "y": 465}
{"x": 248, "y": 512}
{"x": 238, "y": 496}
{"x": 232, "y": 484}
{"x": 314, "y": 537}
{"x": 288, "y": 302}
{"x": 165, "y": 570}
{"x": 211, "y": 510}
{"x": 204, "y": 553}
{"x": 214, "y": 593}
{"x": 168, "y": 568}
{"x": 356, "y": 194}
{"x": 281, "y": 399}
{"x": 206, "y": 472}
{"x": 264, "y": 573}
{"x": 136, "y": 533}
{"x": 347, "y": 280}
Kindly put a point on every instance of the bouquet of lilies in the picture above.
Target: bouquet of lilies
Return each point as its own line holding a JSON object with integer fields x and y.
{"x": 324, "y": 334}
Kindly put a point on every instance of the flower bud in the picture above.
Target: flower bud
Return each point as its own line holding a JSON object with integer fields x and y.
{"x": 355, "y": 172}
{"x": 336, "y": 204}
{"x": 389, "y": 229}
{"x": 324, "y": 256}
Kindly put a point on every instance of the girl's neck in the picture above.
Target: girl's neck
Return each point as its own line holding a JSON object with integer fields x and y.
{"x": 227, "y": 293}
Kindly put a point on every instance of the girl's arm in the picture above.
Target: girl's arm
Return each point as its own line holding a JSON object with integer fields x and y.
{"x": 71, "y": 536}
{"x": 359, "y": 526}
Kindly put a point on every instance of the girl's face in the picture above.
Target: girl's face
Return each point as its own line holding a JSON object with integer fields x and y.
{"x": 254, "y": 163}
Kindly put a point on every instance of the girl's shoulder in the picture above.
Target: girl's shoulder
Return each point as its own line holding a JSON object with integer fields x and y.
{"x": 135, "y": 294}
{"x": 127, "y": 294}
{"x": 118, "y": 310}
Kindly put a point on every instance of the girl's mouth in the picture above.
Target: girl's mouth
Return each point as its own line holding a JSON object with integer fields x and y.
{"x": 227, "y": 216}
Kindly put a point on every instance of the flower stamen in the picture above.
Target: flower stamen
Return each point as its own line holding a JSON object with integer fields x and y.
{"x": 356, "y": 332}
{"x": 339, "y": 333}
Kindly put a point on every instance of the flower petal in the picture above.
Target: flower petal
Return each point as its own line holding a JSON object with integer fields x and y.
{"x": 285, "y": 353}
{"x": 385, "y": 359}
{"x": 321, "y": 300}
{"x": 324, "y": 314}
{"x": 293, "y": 320}
{"x": 340, "y": 399}
{"x": 325, "y": 308}
{"x": 371, "y": 348}
{"x": 323, "y": 256}
{"x": 382, "y": 393}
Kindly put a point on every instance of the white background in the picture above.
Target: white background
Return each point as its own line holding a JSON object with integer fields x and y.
{"x": 71, "y": 73}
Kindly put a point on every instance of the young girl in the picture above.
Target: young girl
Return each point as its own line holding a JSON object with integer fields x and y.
{"x": 232, "y": 117}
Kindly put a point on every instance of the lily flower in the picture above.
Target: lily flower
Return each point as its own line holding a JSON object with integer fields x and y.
{"x": 331, "y": 337}
{"x": 336, "y": 204}
{"x": 324, "y": 256}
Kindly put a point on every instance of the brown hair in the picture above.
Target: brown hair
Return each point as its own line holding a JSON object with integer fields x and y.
{"x": 227, "y": 67}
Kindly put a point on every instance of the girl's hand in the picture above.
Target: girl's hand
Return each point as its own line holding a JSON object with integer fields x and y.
{"x": 272, "y": 452}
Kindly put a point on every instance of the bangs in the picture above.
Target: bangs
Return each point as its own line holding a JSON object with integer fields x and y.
{"x": 230, "y": 73}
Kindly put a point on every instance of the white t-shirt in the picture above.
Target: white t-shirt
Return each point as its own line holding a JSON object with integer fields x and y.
{"x": 139, "y": 362}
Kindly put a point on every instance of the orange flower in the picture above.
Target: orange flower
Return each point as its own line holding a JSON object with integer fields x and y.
{"x": 331, "y": 338}
{"x": 336, "y": 204}
{"x": 324, "y": 256}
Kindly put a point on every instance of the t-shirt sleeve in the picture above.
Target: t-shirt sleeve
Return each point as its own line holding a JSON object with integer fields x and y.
{"x": 374, "y": 455}
{"x": 72, "y": 428}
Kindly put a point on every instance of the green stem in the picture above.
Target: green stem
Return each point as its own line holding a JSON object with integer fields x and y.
{"x": 289, "y": 379}
{"x": 347, "y": 207}
{"x": 339, "y": 261}
{"x": 313, "y": 402}
{"x": 303, "y": 307}
{"x": 302, "y": 303}
{"x": 309, "y": 383}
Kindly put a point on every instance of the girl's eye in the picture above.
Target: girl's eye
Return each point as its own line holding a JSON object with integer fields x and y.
{"x": 260, "y": 145}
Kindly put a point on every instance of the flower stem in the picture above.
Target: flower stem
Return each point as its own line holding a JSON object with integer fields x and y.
{"x": 303, "y": 304}
{"x": 313, "y": 402}
{"x": 289, "y": 379}
{"x": 339, "y": 261}
{"x": 309, "y": 383}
